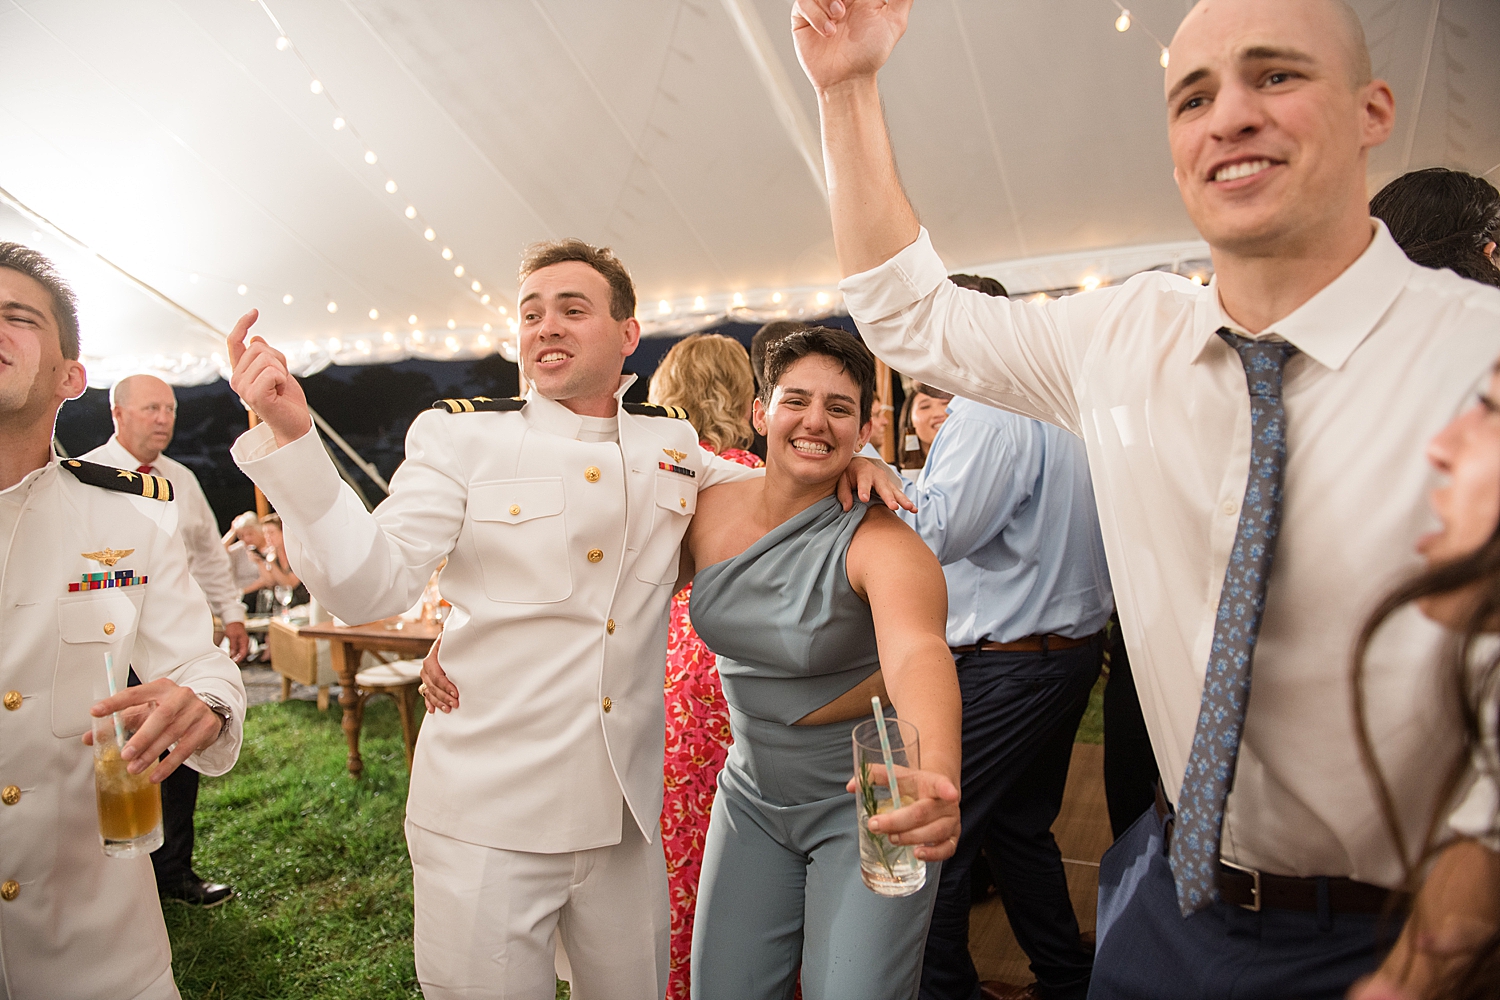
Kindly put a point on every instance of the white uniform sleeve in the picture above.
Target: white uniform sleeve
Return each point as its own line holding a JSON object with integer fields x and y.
{"x": 173, "y": 641}
{"x": 208, "y": 561}
{"x": 362, "y": 566}
{"x": 718, "y": 470}
{"x": 1019, "y": 356}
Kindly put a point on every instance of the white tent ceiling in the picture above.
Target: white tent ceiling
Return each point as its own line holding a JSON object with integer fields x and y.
{"x": 178, "y": 141}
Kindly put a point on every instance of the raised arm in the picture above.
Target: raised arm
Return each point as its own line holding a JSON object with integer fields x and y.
{"x": 842, "y": 44}
{"x": 894, "y": 571}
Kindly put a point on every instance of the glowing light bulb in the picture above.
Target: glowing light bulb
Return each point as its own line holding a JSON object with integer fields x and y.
{"x": 452, "y": 325}
{"x": 1039, "y": 297}
{"x": 822, "y": 298}
{"x": 1122, "y": 23}
{"x": 1197, "y": 279}
{"x": 412, "y": 319}
{"x": 664, "y": 307}
{"x": 486, "y": 328}
{"x": 473, "y": 286}
{"x": 458, "y": 272}
{"x": 283, "y": 43}
{"x": 739, "y": 300}
{"x": 429, "y": 235}
{"x": 338, "y": 123}
{"x": 485, "y": 298}
{"x": 1090, "y": 283}
{"x": 776, "y": 297}
{"x": 447, "y": 254}
{"x": 390, "y": 187}
{"x": 243, "y": 289}
{"x": 364, "y": 346}
{"x": 370, "y": 157}
{"x": 698, "y": 302}
{"x": 316, "y": 86}
{"x": 286, "y": 300}
{"x": 503, "y": 310}
{"x": 388, "y": 337}
{"x": 1166, "y": 58}
{"x": 411, "y": 211}
{"x": 333, "y": 307}
{"x": 417, "y": 335}
{"x": 335, "y": 344}
{"x": 483, "y": 342}
{"x": 374, "y": 313}
{"x": 451, "y": 343}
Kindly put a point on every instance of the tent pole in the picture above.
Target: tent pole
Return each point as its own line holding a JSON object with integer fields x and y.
{"x": 262, "y": 508}
{"x": 887, "y": 443}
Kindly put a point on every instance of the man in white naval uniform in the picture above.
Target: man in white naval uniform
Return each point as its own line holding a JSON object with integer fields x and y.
{"x": 534, "y": 805}
{"x": 75, "y": 924}
{"x": 144, "y": 410}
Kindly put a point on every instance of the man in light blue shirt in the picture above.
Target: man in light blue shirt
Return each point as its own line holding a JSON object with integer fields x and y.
{"x": 1007, "y": 505}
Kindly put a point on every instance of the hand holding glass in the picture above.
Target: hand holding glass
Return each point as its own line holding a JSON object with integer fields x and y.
{"x": 129, "y": 804}
{"x": 887, "y": 868}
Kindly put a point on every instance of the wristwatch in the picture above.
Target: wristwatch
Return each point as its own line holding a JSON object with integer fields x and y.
{"x": 218, "y": 708}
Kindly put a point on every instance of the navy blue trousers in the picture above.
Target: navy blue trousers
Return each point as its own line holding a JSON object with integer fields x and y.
{"x": 1147, "y": 950}
{"x": 1021, "y": 713}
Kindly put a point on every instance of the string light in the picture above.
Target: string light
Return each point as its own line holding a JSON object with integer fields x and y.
{"x": 411, "y": 211}
{"x": 1089, "y": 284}
{"x": 243, "y": 289}
{"x": 333, "y": 307}
{"x": 698, "y": 304}
{"x": 1122, "y": 23}
{"x": 428, "y": 234}
{"x": 335, "y": 344}
{"x": 447, "y": 254}
{"x": 316, "y": 86}
{"x": 664, "y": 307}
{"x": 412, "y": 319}
{"x": 283, "y": 43}
{"x": 374, "y": 313}
{"x": 388, "y": 337}
{"x": 485, "y": 298}
{"x": 822, "y": 298}
{"x": 1166, "y": 58}
{"x": 451, "y": 343}
{"x": 286, "y": 300}
{"x": 458, "y": 272}
{"x": 370, "y": 157}
{"x": 474, "y": 287}
{"x": 486, "y": 328}
{"x": 739, "y": 300}
{"x": 452, "y": 326}
{"x": 776, "y": 298}
{"x": 390, "y": 188}
{"x": 338, "y": 124}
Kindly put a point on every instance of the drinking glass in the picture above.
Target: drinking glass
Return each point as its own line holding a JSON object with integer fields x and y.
{"x": 129, "y": 804}
{"x": 283, "y": 600}
{"x": 887, "y": 868}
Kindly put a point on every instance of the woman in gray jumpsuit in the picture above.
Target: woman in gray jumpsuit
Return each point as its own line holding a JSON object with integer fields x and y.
{"x": 812, "y": 610}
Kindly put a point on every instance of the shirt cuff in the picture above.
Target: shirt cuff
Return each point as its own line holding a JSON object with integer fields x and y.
{"x": 298, "y": 477}
{"x": 232, "y": 612}
{"x": 887, "y": 289}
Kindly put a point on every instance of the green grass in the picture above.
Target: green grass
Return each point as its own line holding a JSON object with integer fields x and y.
{"x": 1091, "y": 726}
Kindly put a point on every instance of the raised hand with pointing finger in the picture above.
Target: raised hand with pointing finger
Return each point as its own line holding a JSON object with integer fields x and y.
{"x": 265, "y": 384}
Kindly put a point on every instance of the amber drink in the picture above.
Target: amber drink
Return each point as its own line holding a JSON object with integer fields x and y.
{"x": 129, "y": 804}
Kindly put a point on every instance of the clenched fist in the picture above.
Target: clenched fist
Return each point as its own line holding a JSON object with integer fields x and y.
{"x": 841, "y": 40}
{"x": 265, "y": 384}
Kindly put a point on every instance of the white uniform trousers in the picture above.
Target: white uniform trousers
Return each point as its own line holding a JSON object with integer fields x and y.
{"x": 487, "y": 920}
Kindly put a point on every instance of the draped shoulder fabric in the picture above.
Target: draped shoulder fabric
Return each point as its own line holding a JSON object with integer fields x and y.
{"x": 790, "y": 632}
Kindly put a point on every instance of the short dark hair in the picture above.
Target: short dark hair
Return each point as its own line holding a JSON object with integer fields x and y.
{"x": 19, "y": 257}
{"x": 1443, "y": 218}
{"x": 601, "y": 259}
{"x": 840, "y": 345}
{"x": 763, "y": 339}
{"x": 989, "y": 286}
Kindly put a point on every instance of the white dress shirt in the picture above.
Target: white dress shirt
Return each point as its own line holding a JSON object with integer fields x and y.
{"x": 562, "y": 555}
{"x": 196, "y": 526}
{"x": 81, "y": 925}
{"x": 1388, "y": 352}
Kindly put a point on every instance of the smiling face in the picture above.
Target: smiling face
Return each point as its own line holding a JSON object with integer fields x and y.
{"x": 572, "y": 350}
{"x": 1467, "y": 452}
{"x": 812, "y": 426}
{"x": 1270, "y": 118}
{"x": 145, "y": 414}
{"x": 35, "y": 378}
{"x": 928, "y": 414}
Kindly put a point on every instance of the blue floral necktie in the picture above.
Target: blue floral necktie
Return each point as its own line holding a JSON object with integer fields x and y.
{"x": 1194, "y": 855}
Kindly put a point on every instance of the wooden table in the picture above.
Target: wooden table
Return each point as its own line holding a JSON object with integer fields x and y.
{"x": 393, "y": 635}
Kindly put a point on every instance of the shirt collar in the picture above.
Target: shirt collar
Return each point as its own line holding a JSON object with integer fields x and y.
{"x": 1329, "y": 326}
{"x": 118, "y": 454}
{"x": 554, "y": 418}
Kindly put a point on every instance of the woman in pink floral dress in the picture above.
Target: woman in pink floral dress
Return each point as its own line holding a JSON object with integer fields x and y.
{"x": 709, "y": 377}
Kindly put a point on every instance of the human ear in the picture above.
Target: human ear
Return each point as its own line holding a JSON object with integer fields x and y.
{"x": 632, "y": 337}
{"x": 75, "y": 381}
{"x": 758, "y": 417}
{"x": 1379, "y": 107}
{"x": 864, "y": 435}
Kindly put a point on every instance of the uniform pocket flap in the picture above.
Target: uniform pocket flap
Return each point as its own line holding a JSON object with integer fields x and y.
{"x": 678, "y": 494}
{"x": 96, "y": 619}
{"x": 516, "y": 500}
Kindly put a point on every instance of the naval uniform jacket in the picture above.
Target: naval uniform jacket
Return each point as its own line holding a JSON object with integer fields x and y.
{"x": 562, "y": 556}
{"x": 73, "y": 923}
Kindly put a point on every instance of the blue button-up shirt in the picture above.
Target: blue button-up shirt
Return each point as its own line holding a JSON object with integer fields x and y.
{"x": 1007, "y": 505}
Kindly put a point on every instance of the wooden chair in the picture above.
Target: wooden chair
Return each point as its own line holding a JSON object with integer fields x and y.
{"x": 295, "y": 659}
{"x": 399, "y": 679}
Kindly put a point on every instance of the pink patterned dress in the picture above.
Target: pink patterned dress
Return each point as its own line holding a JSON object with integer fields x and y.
{"x": 697, "y": 742}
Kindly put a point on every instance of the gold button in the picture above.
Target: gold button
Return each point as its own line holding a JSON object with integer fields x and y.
{"x": 596, "y": 555}
{"x": 12, "y": 700}
{"x": 682, "y": 501}
{"x": 9, "y": 889}
{"x": 109, "y": 628}
{"x": 609, "y": 626}
{"x": 591, "y": 474}
{"x": 608, "y": 704}
{"x": 515, "y": 509}
{"x": 10, "y": 795}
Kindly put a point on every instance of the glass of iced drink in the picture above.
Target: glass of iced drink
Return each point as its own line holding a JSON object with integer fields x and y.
{"x": 887, "y": 868}
{"x": 129, "y": 804}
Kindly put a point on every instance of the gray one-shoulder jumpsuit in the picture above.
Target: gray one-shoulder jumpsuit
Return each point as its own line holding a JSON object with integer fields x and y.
{"x": 780, "y": 886}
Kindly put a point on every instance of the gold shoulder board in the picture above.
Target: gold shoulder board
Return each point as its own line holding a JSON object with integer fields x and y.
{"x": 653, "y": 410}
{"x": 141, "y": 484}
{"x": 480, "y": 404}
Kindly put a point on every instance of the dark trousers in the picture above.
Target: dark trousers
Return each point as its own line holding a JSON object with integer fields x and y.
{"x": 1021, "y": 713}
{"x": 1148, "y": 950}
{"x": 1129, "y": 764}
{"x": 173, "y": 860}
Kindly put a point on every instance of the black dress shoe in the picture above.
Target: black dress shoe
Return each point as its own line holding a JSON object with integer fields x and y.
{"x": 199, "y": 893}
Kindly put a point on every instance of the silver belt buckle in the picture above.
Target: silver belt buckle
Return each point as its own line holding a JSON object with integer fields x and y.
{"x": 1254, "y": 905}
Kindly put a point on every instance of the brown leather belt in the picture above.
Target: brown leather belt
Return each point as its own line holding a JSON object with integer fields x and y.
{"x": 1030, "y": 644}
{"x": 1255, "y": 890}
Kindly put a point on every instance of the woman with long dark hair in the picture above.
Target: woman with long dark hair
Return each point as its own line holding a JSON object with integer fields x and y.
{"x": 1450, "y": 947}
